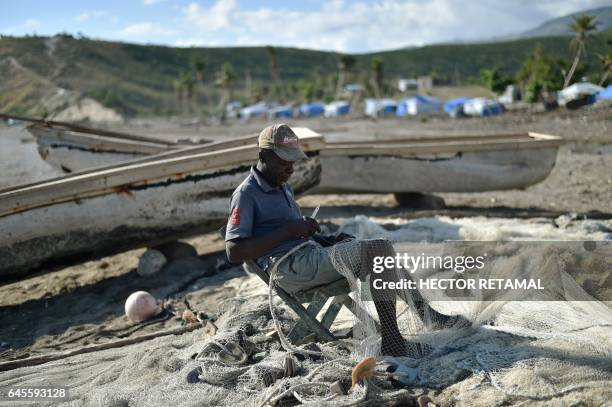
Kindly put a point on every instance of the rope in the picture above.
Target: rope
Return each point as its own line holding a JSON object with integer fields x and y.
{"x": 271, "y": 284}
{"x": 290, "y": 390}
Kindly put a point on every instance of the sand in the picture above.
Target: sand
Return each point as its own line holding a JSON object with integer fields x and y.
{"x": 83, "y": 304}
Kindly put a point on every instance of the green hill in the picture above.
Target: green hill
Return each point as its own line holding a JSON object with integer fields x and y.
{"x": 138, "y": 79}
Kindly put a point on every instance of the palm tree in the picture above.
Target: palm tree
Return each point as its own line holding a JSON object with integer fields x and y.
{"x": 377, "y": 75}
{"x": 606, "y": 62}
{"x": 188, "y": 85}
{"x": 248, "y": 84}
{"x": 345, "y": 64}
{"x": 178, "y": 90}
{"x": 582, "y": 27}
{"x": 199, "y": 66}
{"x": 225, "y": 80}
{"x": 276, "y": 89}
{"x": 273, "y": 64}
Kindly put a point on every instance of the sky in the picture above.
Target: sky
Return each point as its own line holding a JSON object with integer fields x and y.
{"x": 335, "y": 25}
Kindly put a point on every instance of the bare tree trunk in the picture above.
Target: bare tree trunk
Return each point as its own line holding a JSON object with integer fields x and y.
{"x": 604, "y": 78}
{"x": 226, "y": 97}
{"x": 340, "y": 84}
{"x": 248, "y": 85}
{"x": 568, "y": 78}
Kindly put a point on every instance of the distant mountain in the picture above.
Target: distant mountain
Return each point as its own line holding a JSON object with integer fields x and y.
{"x": 44, "y": 75}
{"x": 560, "y": 26}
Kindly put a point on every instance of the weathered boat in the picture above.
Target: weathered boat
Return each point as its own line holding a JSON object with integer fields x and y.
{"x": 396, "y": 164}
{"x": 150, "y": 201}
{"x": 438, "y": 164}
{"x": 72, "y": 148}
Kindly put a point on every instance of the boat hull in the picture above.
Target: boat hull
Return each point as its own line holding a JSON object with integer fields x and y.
{"x": 459, "y": 172}
{"x": 70, "y": 152}
{"x": 71, "y": 159}
{"x": 158, "y": 211}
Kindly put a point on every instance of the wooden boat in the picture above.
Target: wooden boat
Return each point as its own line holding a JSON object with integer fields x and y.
{"x": 395, "y": 164}
{"x": 150, "y": 201}
{"x": 71, "y": 148}
{"x": 438, "y": 164}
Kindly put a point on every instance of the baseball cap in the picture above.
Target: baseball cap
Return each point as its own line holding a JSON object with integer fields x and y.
{"x": 283, "y": 141}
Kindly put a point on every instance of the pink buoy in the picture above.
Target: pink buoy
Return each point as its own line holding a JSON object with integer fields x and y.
{"x": 140, "y": 306}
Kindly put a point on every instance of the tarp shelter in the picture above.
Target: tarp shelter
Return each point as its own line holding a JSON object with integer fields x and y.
{"x": 404, "y": 84}
{"x": 605, "y": 94}
{"x": 232, "y": 109}
{"x": 577, "y": 91}
{"x": 258, "y": 109}
{"x": 337, "y": 108}
{"x": 418, "y": 104}
{"x": 280, "y": 112}
{"x": 380, "y": 107}
{"x": 454, "y": 107}
{"x": 482, "y": 107}
{"x": 312, "y": 109}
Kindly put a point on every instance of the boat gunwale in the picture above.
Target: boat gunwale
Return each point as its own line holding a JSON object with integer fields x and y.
{"x": 120, "y": 178}
{"x": 309, "y": 142}
{"x": 96, "y": 143}
{"x": 409, "y": 148}
{"x": 394, "y": 138}
{"x": 86, "y": 130}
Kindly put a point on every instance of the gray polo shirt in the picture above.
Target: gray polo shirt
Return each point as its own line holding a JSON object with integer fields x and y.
{"x": 257, "y": 208}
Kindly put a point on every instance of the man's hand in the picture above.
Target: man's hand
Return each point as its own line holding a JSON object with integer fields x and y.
{"x": 239, "y": 250}
{"x": 302, "y": 228}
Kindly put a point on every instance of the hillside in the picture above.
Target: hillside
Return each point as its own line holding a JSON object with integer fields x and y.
{"x": 559, "y": 26}
{"x": 38, "y": 74}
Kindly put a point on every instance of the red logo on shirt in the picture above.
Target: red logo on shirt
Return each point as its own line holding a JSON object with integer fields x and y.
{"x": 235, "y": 217}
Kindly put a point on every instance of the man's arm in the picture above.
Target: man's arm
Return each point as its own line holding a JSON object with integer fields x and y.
{"x": 239, "y": 250}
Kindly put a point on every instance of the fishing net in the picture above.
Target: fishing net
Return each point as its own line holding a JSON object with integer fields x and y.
{"x": 513, "y": 351}
{"x": 525, "y": 350}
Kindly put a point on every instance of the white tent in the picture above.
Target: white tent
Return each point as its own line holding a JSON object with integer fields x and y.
{"x": 258, "y": 109}
{"x": 380, "y": 107}
{"x": 337, "y": 108}
{"x": 482, "y": 107}
{"x": 576, "y": 91}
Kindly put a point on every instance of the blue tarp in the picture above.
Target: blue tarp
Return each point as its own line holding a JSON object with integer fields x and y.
{"x": 482, "y": 107}
{"x": 337, "y": 108}
{"x": 312, "y": 109}
{"x": 254, "y": 110}
{"x": 402, "y": 108}
{"x": 454, "y": 105}
{"x": 280, "y": 112}
{"x": 418, "y": 104}
{"x": 380, "y": 107}
{"x": 606, "y": 93}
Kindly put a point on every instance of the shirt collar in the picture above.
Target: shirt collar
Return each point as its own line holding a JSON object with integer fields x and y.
{"x": 263, "y": 184}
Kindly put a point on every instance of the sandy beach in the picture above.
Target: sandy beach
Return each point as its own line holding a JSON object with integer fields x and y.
{"x": 82, "y": 305}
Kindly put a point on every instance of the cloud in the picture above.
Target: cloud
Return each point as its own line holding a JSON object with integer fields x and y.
{"x": 337, "y": 25}
{"x": 556, "y": 8}
{"x": 31, "y": 23}
{"x": 145, "y": 29}
{"x": 193, "y": 42}
{"x": 354, "y": 26}
{"x": 27, "y": 26}
{"x": 214, "y": 18}
{"x": 151, "y": 2}
{"x": 357, "y": 26}
{"x": 97, "y": 14}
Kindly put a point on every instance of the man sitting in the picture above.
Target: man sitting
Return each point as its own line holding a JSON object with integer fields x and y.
{"x": 265, "y": 223}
